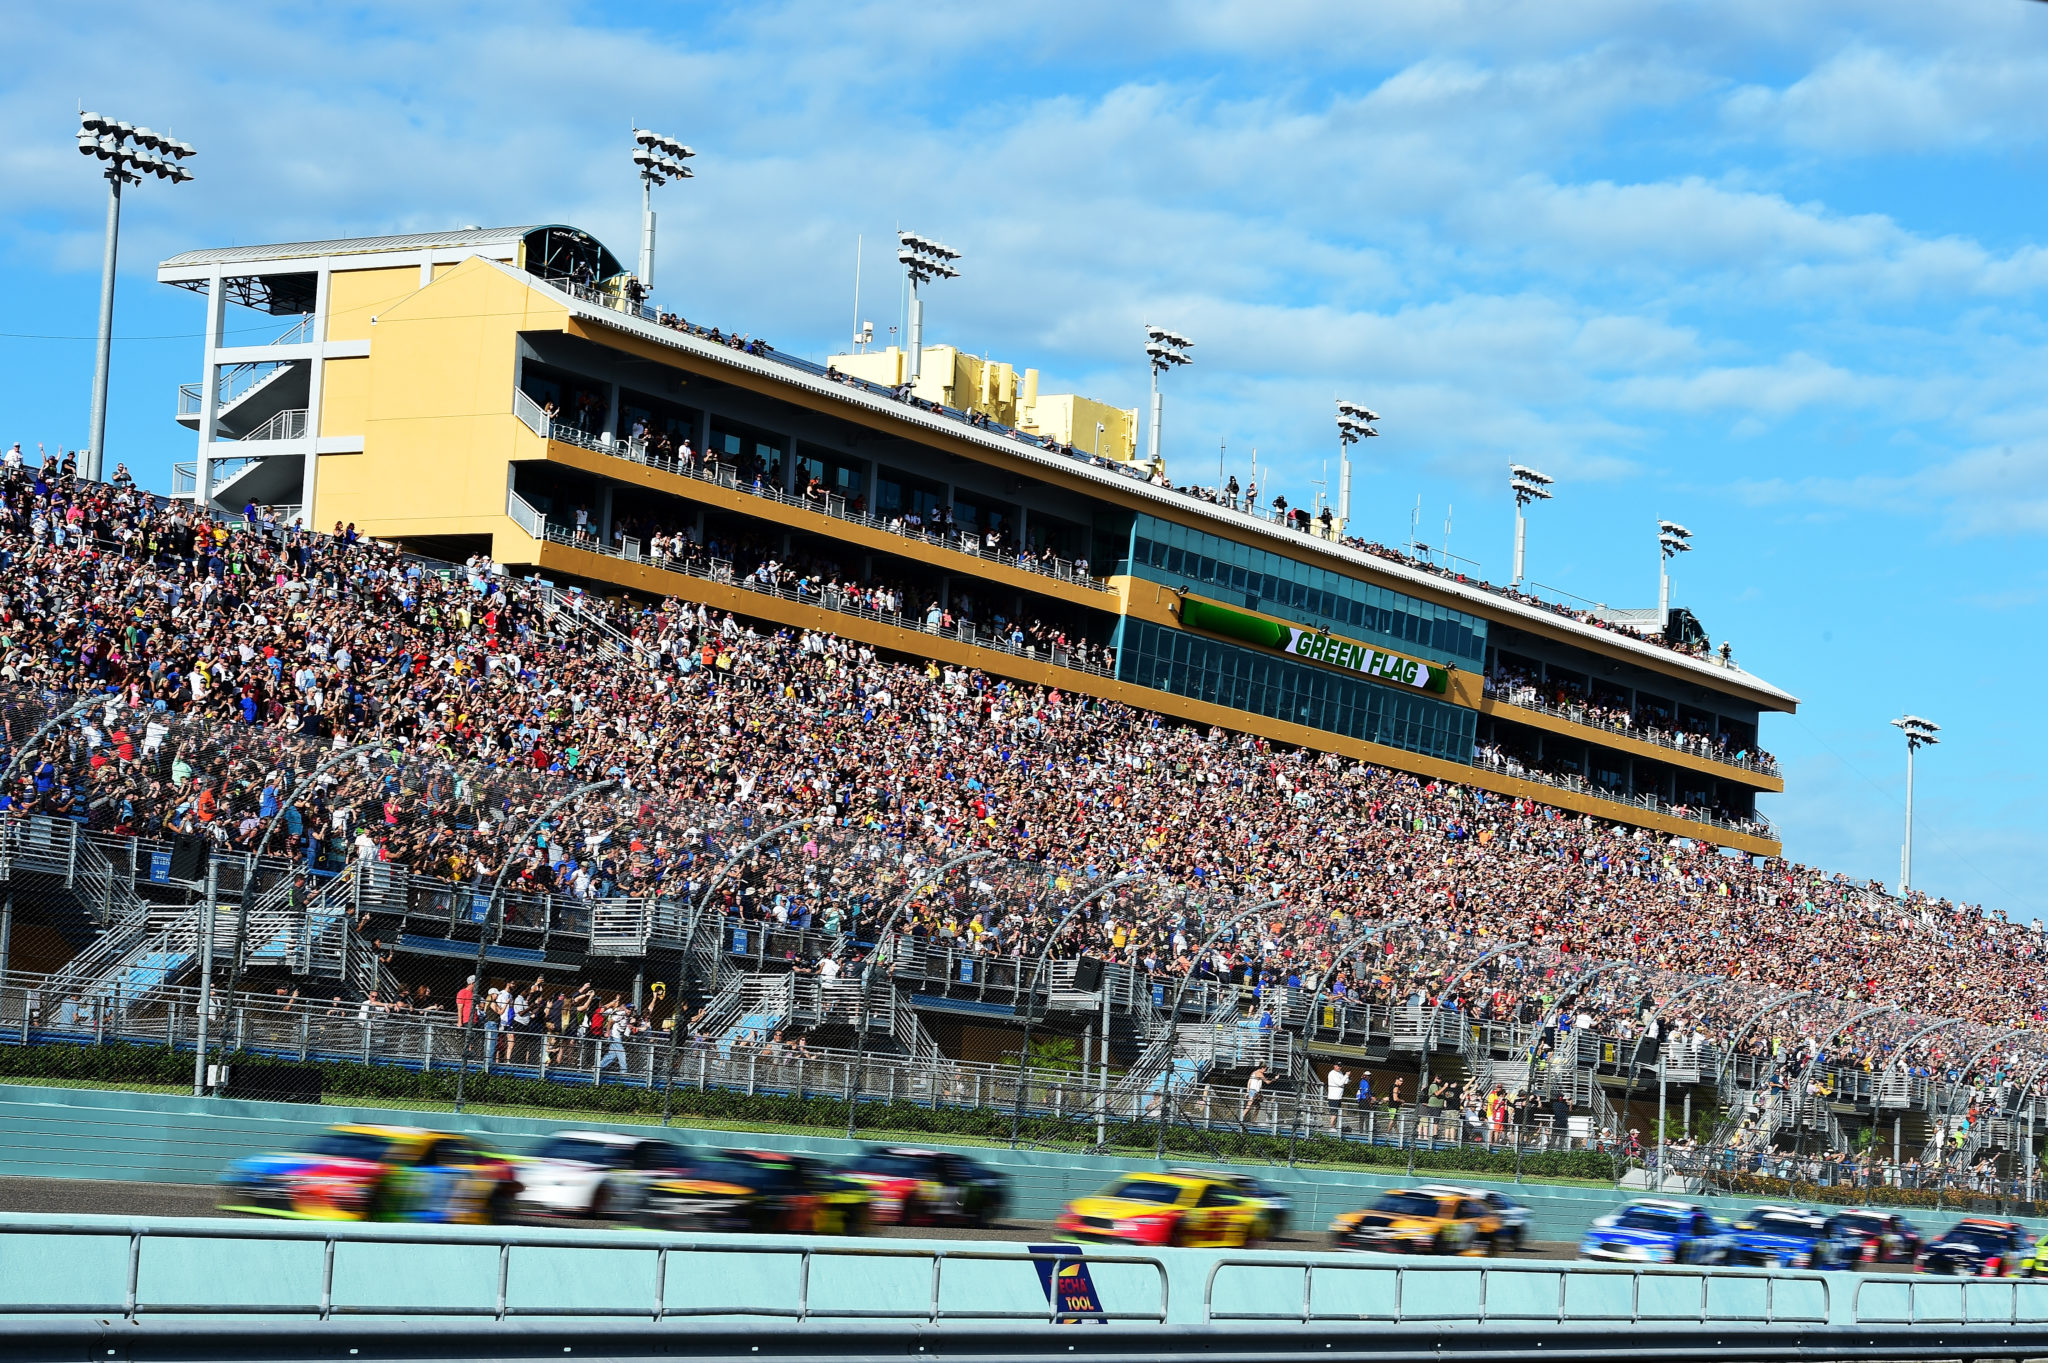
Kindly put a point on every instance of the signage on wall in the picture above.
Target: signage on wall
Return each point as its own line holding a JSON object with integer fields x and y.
{"x": 1318, "y": 646}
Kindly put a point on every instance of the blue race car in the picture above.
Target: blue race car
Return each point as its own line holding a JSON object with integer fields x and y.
{"x": 1792, "y": 1237}
{"x": 1654, "y": 1231}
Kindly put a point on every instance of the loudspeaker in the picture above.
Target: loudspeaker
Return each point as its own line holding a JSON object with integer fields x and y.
{"x": 1087, "y": 975}
{"x": 189, "y": 854}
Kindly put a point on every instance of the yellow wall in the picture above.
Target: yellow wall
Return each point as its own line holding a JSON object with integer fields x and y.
{"x": 345, "y": 396}
{"x": 439, "y": 431}
{"x": 969, "y": 382}
{"x": 355, "y": 296}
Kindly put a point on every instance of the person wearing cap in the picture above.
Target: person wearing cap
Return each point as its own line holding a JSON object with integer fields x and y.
{"x": 465, "y": 1002}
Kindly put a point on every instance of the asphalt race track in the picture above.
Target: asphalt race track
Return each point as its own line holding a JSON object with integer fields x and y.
{"x": 106, "y": 1197}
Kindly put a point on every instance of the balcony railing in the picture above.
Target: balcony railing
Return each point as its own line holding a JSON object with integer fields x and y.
{"x": 1524, "y": 697}
{"x": 829, "y": 598}
{"x": 837, "y": 507}
{"x": 1757, "y": 827}
{"x": 286, "y": 425}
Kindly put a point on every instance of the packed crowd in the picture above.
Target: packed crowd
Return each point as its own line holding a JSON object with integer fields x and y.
{"x": 1654, "y": 723}
{"x": 472, "y": 677}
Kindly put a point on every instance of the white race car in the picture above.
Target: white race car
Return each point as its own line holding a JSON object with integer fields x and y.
{"x": 593, "y": 1173}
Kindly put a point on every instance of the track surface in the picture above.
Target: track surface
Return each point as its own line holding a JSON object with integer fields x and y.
{"x": 98, "y": 1197}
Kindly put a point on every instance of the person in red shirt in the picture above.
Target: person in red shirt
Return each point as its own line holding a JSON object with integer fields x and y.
{"x": 465, "y": 1002}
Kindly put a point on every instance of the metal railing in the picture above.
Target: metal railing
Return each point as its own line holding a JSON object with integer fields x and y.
{"x": 1526, "y": 697}
{"x": 1757, "y": 827}
{"x": 964, "y": 631}
{"x": 708, "y": 470}
{"x": 289, "y": 424}
{"x": 506, "y": 1281}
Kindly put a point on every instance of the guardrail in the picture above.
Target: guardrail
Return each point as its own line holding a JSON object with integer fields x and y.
{"x": 1523, "y": 697}
{"x": 717, "y": 570}
{"x": 506, "y": 1275}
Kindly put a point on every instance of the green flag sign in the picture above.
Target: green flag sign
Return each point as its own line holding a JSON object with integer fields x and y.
{"x": 1396, "y": 669}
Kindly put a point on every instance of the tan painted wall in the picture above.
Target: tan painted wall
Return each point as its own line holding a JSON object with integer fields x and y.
{"x": 345, "y": 396}
{"x": 355, "y": 296}
{"x": 440, "y": 436}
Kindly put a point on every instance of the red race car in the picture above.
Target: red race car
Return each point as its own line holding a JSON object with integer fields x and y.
{"x": 926, "y": 1187}
{"x": 376, "y": 1173}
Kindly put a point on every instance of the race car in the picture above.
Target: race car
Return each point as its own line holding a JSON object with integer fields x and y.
{"x": 376, "y": 1173}
{"x": 926, "y": 1187}
{"x": 1195, "y": 1209}
{"x": 1977, "y": 1247}
{"x": 1514, "y": 1217}
{"x": 1278, "y": 1205}
{"x": 2035, "y": 1264}
{"x": 1653, "y": 1230}
{"x": 1420, "y": 1221}
{"x": 1792, "y": 1237}
{"x": 593, "y": 1173}
{"x": 757, "y": 1190}
{"x": 1887, "y": 1237}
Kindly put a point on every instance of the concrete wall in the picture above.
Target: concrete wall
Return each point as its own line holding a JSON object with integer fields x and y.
{"x": 75, "y": 1133}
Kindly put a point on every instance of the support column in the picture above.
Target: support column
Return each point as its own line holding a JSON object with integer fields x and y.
{"x": 611, "y": 413}
{"x": 209, "y": 389}
{"x": 315, "y": 384}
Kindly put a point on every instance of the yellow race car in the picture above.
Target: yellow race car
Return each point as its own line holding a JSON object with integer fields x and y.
{"x": 1421, "y": 1221}
{"x": 1186, "y": 1207}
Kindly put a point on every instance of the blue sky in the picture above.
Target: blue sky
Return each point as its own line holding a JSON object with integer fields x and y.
{"x": 1770, "y": 270}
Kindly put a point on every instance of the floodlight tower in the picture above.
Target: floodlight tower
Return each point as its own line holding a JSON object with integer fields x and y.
{"x": 924, "y": 260}
{"x": 1529, "y": 487}
{"x": 127, "y": 153}
{"x": 1164, "y": 349}
{"x": 660, "y": 159}
{"x": 1920, "y": 733}
{"x": 1354, "y": 423}
{"x": 1673, "y": 539}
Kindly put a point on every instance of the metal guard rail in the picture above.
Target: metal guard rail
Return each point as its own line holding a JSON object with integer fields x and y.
{"x": 134, "y": 1304}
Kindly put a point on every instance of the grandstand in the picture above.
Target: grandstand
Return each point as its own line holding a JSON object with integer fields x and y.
{"x": 501, "y": 392}
{"x": 707, "y": 798}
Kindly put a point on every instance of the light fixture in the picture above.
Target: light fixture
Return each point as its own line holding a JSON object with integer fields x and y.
{"x": 1163, "y": 349}
{"x": 660, "y": 159}
{"x": 1529, "y": 487}
{"x": 126, "y": 153}
{"x": 1920, "y": 733}
{"x": 924, "y": 261}
{"x": 1673, "y": 539}
{"x": 1354, "y": 423}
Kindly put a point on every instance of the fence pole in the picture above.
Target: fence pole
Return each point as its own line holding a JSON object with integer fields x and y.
{"x": 207, "y": 913}
{"x": 7, "y": 934}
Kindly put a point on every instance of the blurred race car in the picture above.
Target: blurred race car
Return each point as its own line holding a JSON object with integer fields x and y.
{"x": 376, "y": 1173}
{"x": 1886, "y": 1237}
{"x": 757, "y": 1190}
{"x": 1792, "y": 1237}
{"x": 1514, "y": 1217}
{"x": 1434, "y": 1220}
{"x": 926, "y": 1187}
{"x": 1653, "y": 1230}
{"x": 593, "y": 1173}
{"x": 1165, "y": 1209}
{"x": 1977, "y": 1247}
{"x": 1278, "y": 1206}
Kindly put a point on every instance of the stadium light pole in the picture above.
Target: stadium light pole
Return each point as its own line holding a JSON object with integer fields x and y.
{"x": 660, "y": 159}
{"x": 1067, "y": 919}
{"x": 924, "y": 260}
{"x": 126, "y": 153}
{"x": 867, "y": 974}
{"x": 1529, "y": 487}
{"x": 1920, "y": 733}
{"x": 1163, "y": 349}
{"x": 483, "y": 931}
{"x": 1173, "y": 1016}
{"x": 1673, "y": 539}
{"x": 1354, "y": 423}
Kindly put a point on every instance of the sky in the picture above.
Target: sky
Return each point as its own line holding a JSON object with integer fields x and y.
{"x": 1770, "y": 270}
